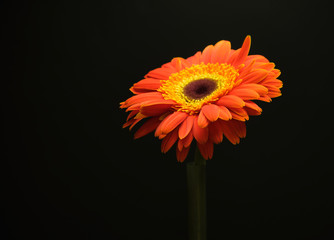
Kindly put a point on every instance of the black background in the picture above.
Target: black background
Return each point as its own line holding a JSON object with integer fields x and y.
{"x": 72, "y": 172}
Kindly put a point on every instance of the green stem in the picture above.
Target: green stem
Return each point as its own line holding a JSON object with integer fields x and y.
{"x": 196, "y": 181}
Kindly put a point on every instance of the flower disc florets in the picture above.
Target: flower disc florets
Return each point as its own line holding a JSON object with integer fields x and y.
{"x": 197, "y": 85}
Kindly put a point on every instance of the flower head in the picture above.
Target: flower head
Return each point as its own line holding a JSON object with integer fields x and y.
{"x": 202, "y": 98}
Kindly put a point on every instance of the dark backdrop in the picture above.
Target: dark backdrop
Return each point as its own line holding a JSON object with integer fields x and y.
{"x": 72, "y": 172}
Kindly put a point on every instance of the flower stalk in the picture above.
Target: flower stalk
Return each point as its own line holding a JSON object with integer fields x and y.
{"x": 196, "y": 184}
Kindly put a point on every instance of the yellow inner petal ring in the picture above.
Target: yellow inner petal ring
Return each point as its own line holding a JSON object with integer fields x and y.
{"x": 200, "y": 84}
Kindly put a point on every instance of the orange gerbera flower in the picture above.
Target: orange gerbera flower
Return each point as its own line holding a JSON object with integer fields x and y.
{"x": 203, "y": 98}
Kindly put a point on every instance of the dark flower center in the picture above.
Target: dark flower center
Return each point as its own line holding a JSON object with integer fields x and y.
{"x": 200, "y": 88}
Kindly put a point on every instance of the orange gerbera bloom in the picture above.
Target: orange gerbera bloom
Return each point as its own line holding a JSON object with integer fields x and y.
{"x": 204, "y": 97}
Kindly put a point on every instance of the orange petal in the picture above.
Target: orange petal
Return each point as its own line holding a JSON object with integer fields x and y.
{"x": 211, "y": 112}
{"x": 180, "y": 145}
{"x": 230, "y": 101}
{"x": 274, "y": 73}
{"x": 252, "y": 108}
{"x": 246, "y": 70}
{"x": 147, "y": 127}
{"x": 169, "y": 66}
{"x": 134, "y": 122}
{"x": 128, "y": 123}
{"x": 224, "y": 113}
{"x": 272, "y": 82}
{"x": 181, "y": 155}
{"x": 172, "y": 121}
{"x": 274, "y": 93}
{"x": 239, "y": 114}
{"x": 180, "y": 63}
{"x": 206, "y": 55}
{"x": 187, "y": 140}
{"x": 261, "y": 90}
{"x": 215, "y": 132}
{"x": 239, "y": 128}
{"x": 186, "y": 127}
{"x": 196, "y": 59}
{"x": 147, "y": 84}
{"x": 159, "y": 73}
{"x": 158, "y": 131}
{"x": 142, "y": 98}
{"x": 265, "y": 66}
{"x": 237, "y": 117}
{"x": 272, "y": 88}
{"x": 202, "y": 120}
{"x": 200, "y": 134}
{"x": 252, "y": 112}
{"x": 169, "y": 141}
{"x": 134, "y": 107}
{"x": 162, "y": 136}
{"x": 233, "y": 55}
{"x": 140, "y": 116}
{"x": 245, "y": 94}
{"x": 221, "y": 52}
{"x": 255, "y": 76}
{"x": 257, "y": 58}
{"x": 243, "y": 52}
{"x": 156, "y": 108}
{"x": 206, "y": 150}
{"x": 132, "y": 114}
{"x": 229, "y": 133}
{"x": 265, "y": 98}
